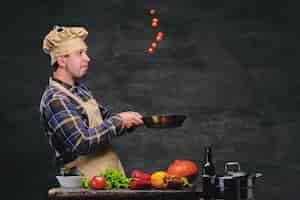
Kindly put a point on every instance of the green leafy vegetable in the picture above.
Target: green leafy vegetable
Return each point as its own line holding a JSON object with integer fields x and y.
{"x": 115, "y": 179}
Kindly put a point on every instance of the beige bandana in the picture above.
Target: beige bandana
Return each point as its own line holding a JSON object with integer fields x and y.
{"x": 63, "y": 41}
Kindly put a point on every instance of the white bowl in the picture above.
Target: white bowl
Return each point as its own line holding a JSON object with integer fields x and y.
{"x": 69, "y": 181}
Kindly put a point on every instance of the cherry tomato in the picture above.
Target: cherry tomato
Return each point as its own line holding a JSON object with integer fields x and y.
{"x": 154, "y": 24}
{"x": 158, "y": 38}
{"x": 155, "y": 20}
{"x": 98, "y": 182}
{"x": 160, "y": 34}
{"x": 150, "y": 50}
{"x": 152, "y": 11}
{"x": 154, "y": 45}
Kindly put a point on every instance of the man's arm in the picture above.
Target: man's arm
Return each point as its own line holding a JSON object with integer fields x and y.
{"x": 72, "y": 130}
{"x": 130, "y": 122}
{"x": 106, "y": 112}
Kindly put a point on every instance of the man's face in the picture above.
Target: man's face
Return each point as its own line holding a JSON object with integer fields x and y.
{"x": 77, "y": 63}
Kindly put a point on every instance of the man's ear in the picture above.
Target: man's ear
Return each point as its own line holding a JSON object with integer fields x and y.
{"x": 61, "y": 61}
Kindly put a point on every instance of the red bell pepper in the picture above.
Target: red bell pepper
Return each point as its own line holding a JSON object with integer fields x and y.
{"x": 140, "y": 175}
{"x": 137, "y": 183}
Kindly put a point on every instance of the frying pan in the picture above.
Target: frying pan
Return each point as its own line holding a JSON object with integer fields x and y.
{"x": 163, "y": 121}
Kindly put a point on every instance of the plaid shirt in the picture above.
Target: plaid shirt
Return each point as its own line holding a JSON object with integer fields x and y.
{"x": 66, "y": 123}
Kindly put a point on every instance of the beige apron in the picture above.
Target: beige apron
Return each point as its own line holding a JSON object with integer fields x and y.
{"x": 92, "y": 164}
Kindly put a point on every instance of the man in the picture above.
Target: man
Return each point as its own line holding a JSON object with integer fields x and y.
{"x": 78, "y": 128}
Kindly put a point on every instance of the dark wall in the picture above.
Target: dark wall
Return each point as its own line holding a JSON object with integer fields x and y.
{"x": 230, "y": 66}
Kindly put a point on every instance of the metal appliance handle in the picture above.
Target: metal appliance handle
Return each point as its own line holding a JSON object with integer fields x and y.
{"x": 231, "y": 164}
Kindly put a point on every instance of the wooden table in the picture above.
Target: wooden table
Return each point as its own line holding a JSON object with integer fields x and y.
{"x": 122, "y": 194}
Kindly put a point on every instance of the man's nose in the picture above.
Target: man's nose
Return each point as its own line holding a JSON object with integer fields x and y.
{"x": 87, "y": 58}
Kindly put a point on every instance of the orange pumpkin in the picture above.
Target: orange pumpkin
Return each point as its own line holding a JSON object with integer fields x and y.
{"x": 184, "y": 168}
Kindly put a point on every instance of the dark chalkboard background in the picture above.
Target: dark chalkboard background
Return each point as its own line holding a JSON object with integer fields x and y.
{"x": 230, "y": 66}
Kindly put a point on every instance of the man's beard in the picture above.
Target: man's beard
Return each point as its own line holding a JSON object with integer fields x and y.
{"x": 82, "y": 76}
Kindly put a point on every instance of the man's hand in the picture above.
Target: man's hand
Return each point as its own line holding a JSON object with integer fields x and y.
{"x": 131, "y": 119}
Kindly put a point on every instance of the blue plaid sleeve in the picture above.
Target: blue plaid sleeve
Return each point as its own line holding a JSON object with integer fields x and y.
{"x": 106, "y": 112}
{"x": 72, "y": 130}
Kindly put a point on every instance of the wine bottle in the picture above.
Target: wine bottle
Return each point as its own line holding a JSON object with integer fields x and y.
{"x": 208, "y": 166}
{"x": 209, "y": 175}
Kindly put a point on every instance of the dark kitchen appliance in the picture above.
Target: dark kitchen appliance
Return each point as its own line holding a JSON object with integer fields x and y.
{"x": 234, "y": 184}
